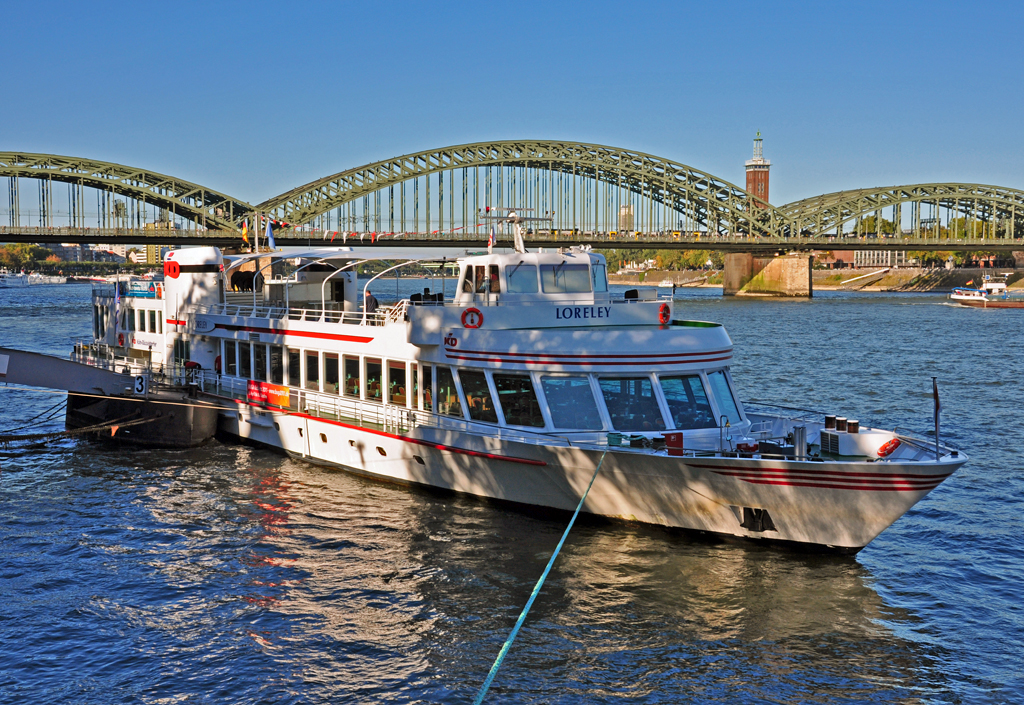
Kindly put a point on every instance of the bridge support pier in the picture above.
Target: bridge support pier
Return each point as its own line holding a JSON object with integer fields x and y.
{"x": 787, "y": 275}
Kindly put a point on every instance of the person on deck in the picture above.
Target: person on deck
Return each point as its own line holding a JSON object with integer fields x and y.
{"x": 370, "y": 303}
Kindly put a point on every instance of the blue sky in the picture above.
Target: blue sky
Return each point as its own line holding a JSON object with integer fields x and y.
{"x": 255, "y": 98}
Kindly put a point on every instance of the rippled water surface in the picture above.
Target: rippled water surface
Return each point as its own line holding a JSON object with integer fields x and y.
{"x": 232, "y": 574}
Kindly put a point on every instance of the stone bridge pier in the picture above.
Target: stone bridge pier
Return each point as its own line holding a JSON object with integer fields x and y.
{"x": 749, "y": 275}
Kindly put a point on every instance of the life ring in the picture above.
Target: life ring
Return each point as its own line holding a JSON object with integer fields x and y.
{"x": 888, "y": 447}
{"x": 472, "y": 318}
{"x": 120, "y": 340}
{"x": 664, "y": 314}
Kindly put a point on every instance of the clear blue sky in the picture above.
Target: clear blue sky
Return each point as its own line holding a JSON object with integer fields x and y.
{"x": 254, "y": 98}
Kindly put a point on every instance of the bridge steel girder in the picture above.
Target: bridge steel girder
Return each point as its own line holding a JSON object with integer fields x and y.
{"x": 203, "y": 206}
{"x": 718, "y": 204}
{"x": 821, "y": 214}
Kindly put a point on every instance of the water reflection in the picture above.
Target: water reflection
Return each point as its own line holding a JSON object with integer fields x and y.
{"x": 430, "y": 585}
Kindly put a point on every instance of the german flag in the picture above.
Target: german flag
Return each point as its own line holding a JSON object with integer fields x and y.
{"x": 245, "y": 230}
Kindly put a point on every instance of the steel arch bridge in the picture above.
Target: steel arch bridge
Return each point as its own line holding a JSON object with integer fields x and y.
{"x": 993, "y": 208}
{"x": 716, "y": 204}
{"x": 203, "y": 206}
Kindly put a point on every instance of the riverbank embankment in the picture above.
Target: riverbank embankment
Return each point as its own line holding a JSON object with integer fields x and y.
{"x": 863, "y": 279}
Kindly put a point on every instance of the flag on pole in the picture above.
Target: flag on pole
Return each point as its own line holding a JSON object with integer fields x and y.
{"x": 270, "y": 237}
{"x": 245, "y": 230}
{"x": 490, "y": 241}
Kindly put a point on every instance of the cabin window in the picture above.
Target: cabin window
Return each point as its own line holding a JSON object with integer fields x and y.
{"x": 181, "y": 351}
{"x": 313, "y": 370}
{"x": 352, "y": 376}
{"x": 259, "y": 364}
{"x": 101, "y": 322}
{"x": 518, "y": 400}
{"x": 331, "y": 377}
{"x": 493, "y": 280}
{"x": 373, "y": 379}
{"x": 95, "y": 321}
{"x": 521, "y": 278}
{"x": 276, "y": 365}
{"x": 723, "y": 395}
{"x": 631, "y": 404}
{"x": 687, "y": 402}
{"x": 428, "y": 384}
{"x": 467, "y": 281}
{"x": 599, "y": 274}
{"x": 478, "y": 396}
{"x": 480, "y": 279}
{"x": 244, "y": 360}
{"x": 142, "y": 321}
{"x": 230, "y": 360}
{"x": 571, "y": 402}
{"x": 152, "y": 321}
{"x": 565, "y": 278}
{"x": 396, "y": 383}
{"x": 160, "y": 323}
{"x": 447, "y": 394}
{"x": 129, "y": 317}
{"x": 294, "y": 368}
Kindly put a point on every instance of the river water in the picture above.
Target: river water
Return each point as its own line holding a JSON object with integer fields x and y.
{"x": 231, "y": 574}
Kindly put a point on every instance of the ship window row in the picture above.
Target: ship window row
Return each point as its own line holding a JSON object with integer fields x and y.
{"x": 571, "y": 402}
{"x": 523, "y": 278}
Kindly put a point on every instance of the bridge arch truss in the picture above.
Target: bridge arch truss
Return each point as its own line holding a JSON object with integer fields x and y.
{"x": 588, "y": 187}
{"x": 949, "y": 210}
{"x": 144, "y": 191}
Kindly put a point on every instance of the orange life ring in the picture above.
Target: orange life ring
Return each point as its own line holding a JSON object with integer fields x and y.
{"x": 888, "y": 447}
{"x": 664, "y": 314}
{"x": 120, "y": 339}
{"x": 472, "y": 318}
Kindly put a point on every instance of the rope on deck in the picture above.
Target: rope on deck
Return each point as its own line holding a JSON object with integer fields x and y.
{"x": 536, "y": 591}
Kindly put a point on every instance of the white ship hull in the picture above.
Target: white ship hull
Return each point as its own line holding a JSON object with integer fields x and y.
{"x": 822, "y": 505}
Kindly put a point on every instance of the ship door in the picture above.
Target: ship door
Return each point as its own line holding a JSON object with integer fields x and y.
{"x": 338, "y": 290}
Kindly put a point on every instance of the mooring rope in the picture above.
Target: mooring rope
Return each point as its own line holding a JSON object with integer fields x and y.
{"x": 55, "y": 408}
{"x": 536, "y": 591}
{"x": 123, "y": 422}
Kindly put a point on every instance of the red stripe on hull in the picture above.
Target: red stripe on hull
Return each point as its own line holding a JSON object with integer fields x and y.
{"x": 584, "y": 363}
{"x": 296, "y": 333}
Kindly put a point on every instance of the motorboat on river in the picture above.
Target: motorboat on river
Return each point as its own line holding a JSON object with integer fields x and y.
{"x": 515, "y": 389}
{"x": 992, "y": 294}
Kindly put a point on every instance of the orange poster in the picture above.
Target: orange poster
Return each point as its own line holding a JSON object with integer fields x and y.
{"x": 265, "y": 393}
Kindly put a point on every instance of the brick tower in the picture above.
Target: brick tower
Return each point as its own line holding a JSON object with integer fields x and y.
{"x": 757, "y": 172}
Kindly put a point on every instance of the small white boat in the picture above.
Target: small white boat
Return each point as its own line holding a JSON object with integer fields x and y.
{"x": 992, "y": 294}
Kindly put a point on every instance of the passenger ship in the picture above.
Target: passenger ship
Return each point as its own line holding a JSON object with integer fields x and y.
{"x": 517, "y": 389}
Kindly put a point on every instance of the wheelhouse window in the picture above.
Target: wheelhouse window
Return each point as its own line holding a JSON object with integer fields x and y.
{"x": 518, "y": 400}
{"x": 313, "y": 370}
{"x": 687, "y": 402}
{"x": 565, "y": 278}
{"x": 521, "y": 278}
{"x": 230, "y": 361}
{"x": 331, "y": 377}
{"x": 294, "y": 368}
{"x": 631, "y": 403}
{"x": 373, "y": 379}
{"x": 244, "y": 360}
{"x": 447, "y": 393}
{"x": 351, "y": 376}
{"x": 396, "y": 382}
{"x": 599, "y": 275}
{"x": 723, "y": 395}
{"x": 571, "y": 402}
{"x": 478, "y": 396}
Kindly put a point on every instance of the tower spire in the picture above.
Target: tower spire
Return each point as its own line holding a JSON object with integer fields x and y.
{"x": 757, "y": 171}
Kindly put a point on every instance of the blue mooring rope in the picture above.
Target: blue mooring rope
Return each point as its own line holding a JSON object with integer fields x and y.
{"x": 536, "y": 591}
